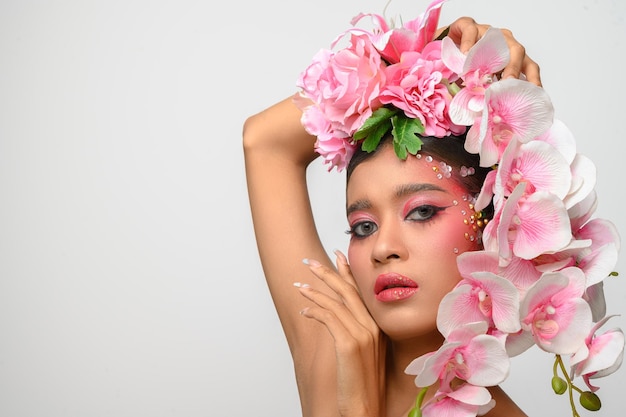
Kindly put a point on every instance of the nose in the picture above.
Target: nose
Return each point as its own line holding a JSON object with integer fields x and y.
{"x": 389, "y": 245}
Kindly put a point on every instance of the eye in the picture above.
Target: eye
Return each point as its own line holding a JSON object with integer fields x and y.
{"x": 363, "y": 229}
{"x": 423, "y": 213}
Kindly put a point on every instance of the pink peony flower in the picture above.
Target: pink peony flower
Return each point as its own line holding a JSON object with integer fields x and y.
{"x": 345, "y": 85}
{"x": 415, "y": 86}
{"x": 335, "y": 146}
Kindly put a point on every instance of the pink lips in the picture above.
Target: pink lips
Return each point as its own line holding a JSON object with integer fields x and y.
{"x": 394, "y": 287}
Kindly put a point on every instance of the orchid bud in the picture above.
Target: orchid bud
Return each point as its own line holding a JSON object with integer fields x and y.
{"x": 590, "y": 401}
{"x": 559, "y": 385}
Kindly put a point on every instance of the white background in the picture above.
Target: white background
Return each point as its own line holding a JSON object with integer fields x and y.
{"x": 129, "y": 279}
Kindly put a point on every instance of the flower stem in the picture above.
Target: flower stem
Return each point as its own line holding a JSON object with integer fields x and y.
{"x": 570, "y": 385}
{"x": 420, "y": 397}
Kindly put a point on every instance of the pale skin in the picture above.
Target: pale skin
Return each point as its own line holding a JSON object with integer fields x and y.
{"x": 349, "y": 350}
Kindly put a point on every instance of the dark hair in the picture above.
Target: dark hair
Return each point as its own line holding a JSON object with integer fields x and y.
{"x": 450, "y": 149}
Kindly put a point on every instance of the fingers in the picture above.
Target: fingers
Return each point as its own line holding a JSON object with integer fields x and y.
{"x": 465, "y": 32}
{"x": 337, "y": 318}
{"x": 520, "y": 65}
{"x": 343, "y": 284}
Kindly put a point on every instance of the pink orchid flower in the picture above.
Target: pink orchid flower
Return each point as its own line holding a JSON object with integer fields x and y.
{"x": 465, "y": 401}
{"x": 488, "y": 56}
{"x": 484, "y": 296}
{"x": 538, "y": 164}
{"x": 468, "y": 354}
{"x": 599, "y": 259}
{"x": 514, "y": 109}
{"x": 528, "y": 227}
{"x": 600, "y": 355}
{"x": 554, "y": 312}
{"x": 520, "y": 272}
{"x": 583, "y": 180}
{"x": 561, "y": 138}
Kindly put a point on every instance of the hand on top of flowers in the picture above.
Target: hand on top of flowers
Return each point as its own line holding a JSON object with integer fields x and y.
{"x": 465, "y": 32}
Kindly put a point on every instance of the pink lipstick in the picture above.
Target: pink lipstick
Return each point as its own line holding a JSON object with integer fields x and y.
{"x": 394, "y": 287}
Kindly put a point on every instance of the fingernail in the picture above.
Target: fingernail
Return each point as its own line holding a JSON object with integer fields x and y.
{"x": 303, "y": 311}
{"x": 310, "y": 262}
{"x": 341, "y": 257}
{"x": 300, "y": 285}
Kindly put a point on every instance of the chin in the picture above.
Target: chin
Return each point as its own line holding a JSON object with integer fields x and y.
{"x": 406, "y": 323}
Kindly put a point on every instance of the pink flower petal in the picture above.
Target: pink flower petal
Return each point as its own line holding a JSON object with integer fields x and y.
{"x": 554, "y": 312}
{"x": 524, "y": 107}
{"x": 535, "y": 162}
{"x": 489, "y": 55}
{"x": 538, "y": 224}
{"x": 504, "y": 300}
{"x": 452, "y": 56}
{"x": 487, "y": 360}
{"x": 583, "y": 180}
{"x": 562, "y": 139}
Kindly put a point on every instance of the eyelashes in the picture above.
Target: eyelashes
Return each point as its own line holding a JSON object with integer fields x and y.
{"x": 420, "y": 214}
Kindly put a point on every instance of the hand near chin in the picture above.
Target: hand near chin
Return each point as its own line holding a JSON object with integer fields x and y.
{"x": 359, "y": 343}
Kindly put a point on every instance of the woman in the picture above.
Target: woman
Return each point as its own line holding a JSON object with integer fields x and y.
{"x": 354, "y": 331}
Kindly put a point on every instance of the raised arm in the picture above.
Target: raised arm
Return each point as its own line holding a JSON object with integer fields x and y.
{"x": 277, "y": 152}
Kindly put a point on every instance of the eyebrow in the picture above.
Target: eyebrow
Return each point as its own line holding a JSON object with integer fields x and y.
{"x": 401, "y": 191}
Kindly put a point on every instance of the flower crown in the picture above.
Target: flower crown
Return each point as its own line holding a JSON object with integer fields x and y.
{"x": 539, "y": 279}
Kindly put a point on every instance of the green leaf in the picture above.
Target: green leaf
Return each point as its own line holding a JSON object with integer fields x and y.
{"x": 405, "y": 135}
{"x": 373, "y": 138}
{"x": 378, "y": 117}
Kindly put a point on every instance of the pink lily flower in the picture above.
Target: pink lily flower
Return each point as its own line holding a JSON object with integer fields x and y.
{"x": 414, "y": 36}
{"x": 468, "y": 354}
{"x": 465, "y": 401}
{"x": 600, "y": 355}
{"x": 484, "y": 296}
{"x": 515, "y": 109}
{"x": 554, "y": 312}
{"x": 488, "y": 56}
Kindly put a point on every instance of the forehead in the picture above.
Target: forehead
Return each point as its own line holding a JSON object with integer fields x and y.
{"x": 386, "y": 173}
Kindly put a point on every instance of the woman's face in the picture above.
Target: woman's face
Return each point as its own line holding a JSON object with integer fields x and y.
{"x": 408, "y": 227}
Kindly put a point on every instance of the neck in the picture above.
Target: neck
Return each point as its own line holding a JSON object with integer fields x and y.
{"x": 400, "y": 387}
